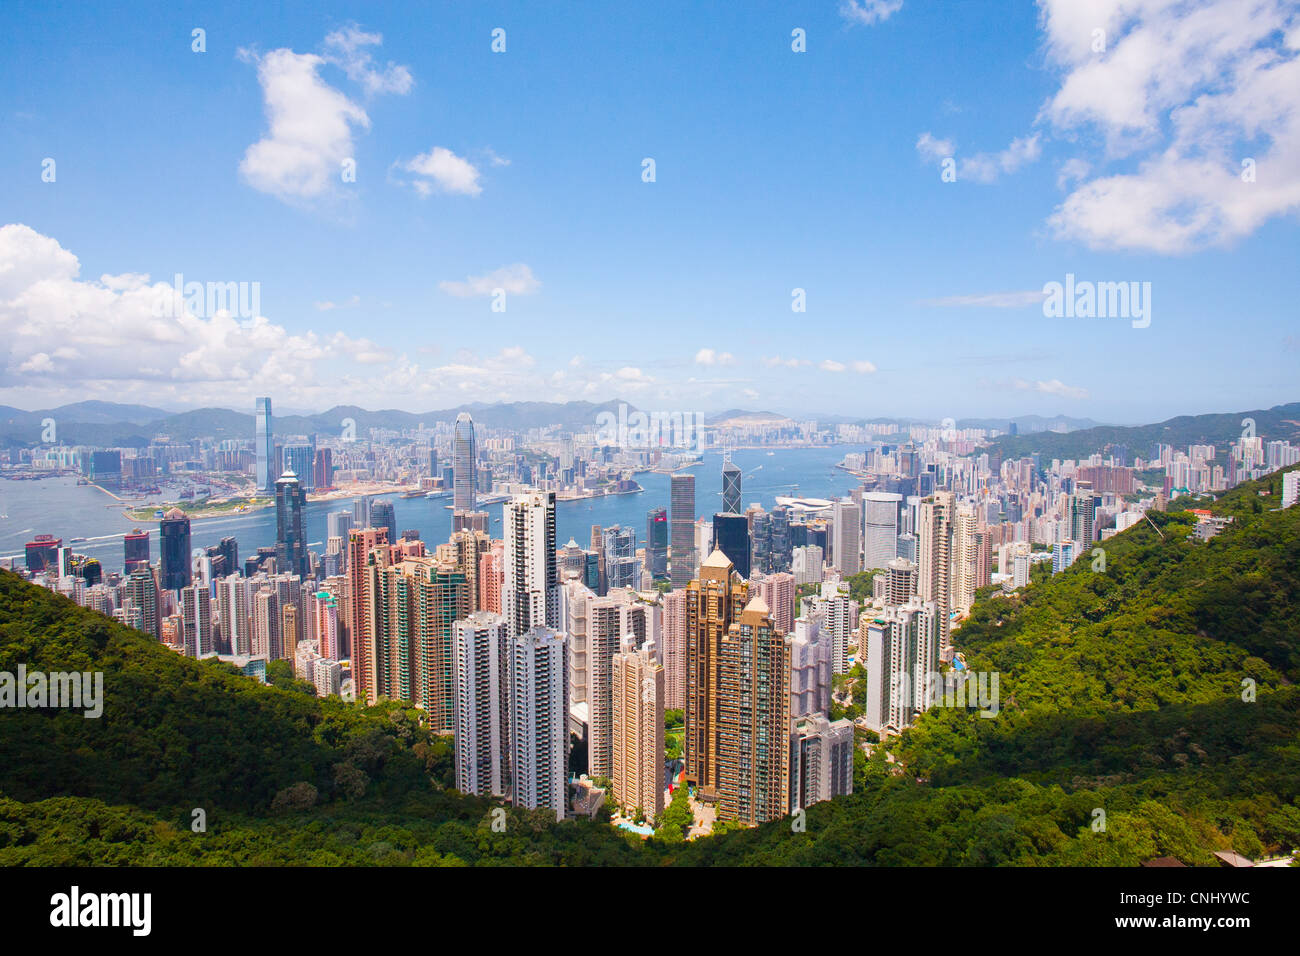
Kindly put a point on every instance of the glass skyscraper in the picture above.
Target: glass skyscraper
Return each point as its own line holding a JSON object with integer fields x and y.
{"x": 682, "y": 500}
{"x": 290, "y": 539}
{"x": 264, "y": 446}
{"x": 464, "y": 463}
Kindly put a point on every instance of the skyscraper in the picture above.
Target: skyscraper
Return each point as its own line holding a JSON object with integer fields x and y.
{"x": 142, "y": 594}
{"x": 622, "y": 569}
{"x": 846, "y": 551}
{"x": 965, "y": 554}
{"x": 902, "y": 652}
{"x": 539, "y": 719}
{"x": 821, "y": 760}
{"x": 656, "y": 543}
{"x": 464, "y": 461}
{"x": 290, "y": 538}
{"x": 338, "y": 524}
{"x": 264, "y": 446}
{"x": 413, "y": 605}
{"x": 682, "y": 557}
{"x": 235, "y": 611}
{"x": 323, "y": 469}
{"x": 381, "y": 516}
{"x": 361, "y": 512}
{"x": 731, "y": 488}
{"x": 934, "y": 546}
{"x": 753, "y": 718}
{"x": 361, "y": 542}
{"x": 482, "y": 711}
{"x": 731, "y": 537}
{"x": 1083, "y": 515}
{"x": 196, "y": 617}
{"x": 135, "y": 549}
{"x": 900, "y": 581}
{"x": 673, "y": 647}
{"x": 880, "y": 515}
{"x": 713, "y": 603}
{"x": 778, "y": 593}
{"x": 607, "y": 621}
{"x": 637, "y": 761}
{"x": 530, "y": 596}
{"x": 299, "y": 458}
{"x": 174, "y": 550}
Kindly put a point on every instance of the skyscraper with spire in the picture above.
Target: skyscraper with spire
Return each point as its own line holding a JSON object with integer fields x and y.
{"x": 290, "y": 538}
{"x": 713, "y": 602}
{"x": 464, "y": 462}
{"x": 730, "y": 487}
{"x": 264, "y": 446}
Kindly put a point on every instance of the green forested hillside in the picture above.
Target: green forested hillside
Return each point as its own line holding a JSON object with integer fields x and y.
{"x": 1158, "y": 696}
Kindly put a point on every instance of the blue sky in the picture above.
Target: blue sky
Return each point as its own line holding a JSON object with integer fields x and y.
{"x": 774, "y": 170}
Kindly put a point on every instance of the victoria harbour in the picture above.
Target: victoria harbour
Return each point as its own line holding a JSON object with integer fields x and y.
{"x": 61, "y": 507}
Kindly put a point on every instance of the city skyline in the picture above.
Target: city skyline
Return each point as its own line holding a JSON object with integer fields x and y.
{"x": 802, "y": 433}
{"x": 905, "y": 277}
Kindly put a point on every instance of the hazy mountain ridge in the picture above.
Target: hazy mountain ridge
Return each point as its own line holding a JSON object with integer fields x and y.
{"x": 1218, "y": 428}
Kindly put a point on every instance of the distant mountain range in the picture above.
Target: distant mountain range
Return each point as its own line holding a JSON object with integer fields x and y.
{"x": 1271, "y": 424}
{"x": 108, "y": 424}
{"x": 134, "y": 426}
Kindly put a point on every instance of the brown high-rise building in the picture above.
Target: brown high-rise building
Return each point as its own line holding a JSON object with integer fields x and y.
{"x": 413, "y": 605}
{"x": 714, "y": 602}
{"x": 752, "y": 690}
{"x": 637, "y": 753}
{"x": 289, "y": 632}
{"x": 464, "y": 550}
{"x": 361, "y": 542}
{"x": 598, "y": 545}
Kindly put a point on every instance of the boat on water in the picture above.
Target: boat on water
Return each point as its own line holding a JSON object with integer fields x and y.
{"x": 413, "y": 494}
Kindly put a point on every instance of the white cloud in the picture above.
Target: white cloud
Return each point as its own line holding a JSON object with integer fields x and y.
{"x": 869, "y": 12}
{"x": 1051, "y": 387}
{"x": 711, "y": 357}
{"x": 932, "y": 148}
{"x": 441, "y": 170}
{"x": 328, "y": 306}
{"x": 1071, "y": 171}
{"x": 347, "y": 48}
{"x": 776, "y": 361}
{"x": 991, "y": 300}
{"x": 494, "y": 159}
{"x": 861, "y": 366}
{"x": 127, "y": 346}
{"x": 988, "y": 167}
{"x": 515, "y": 279}
{"x": 982, "y": 167}
{"x": 1186, "y": 91}
{"x": 311, "y": 123}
